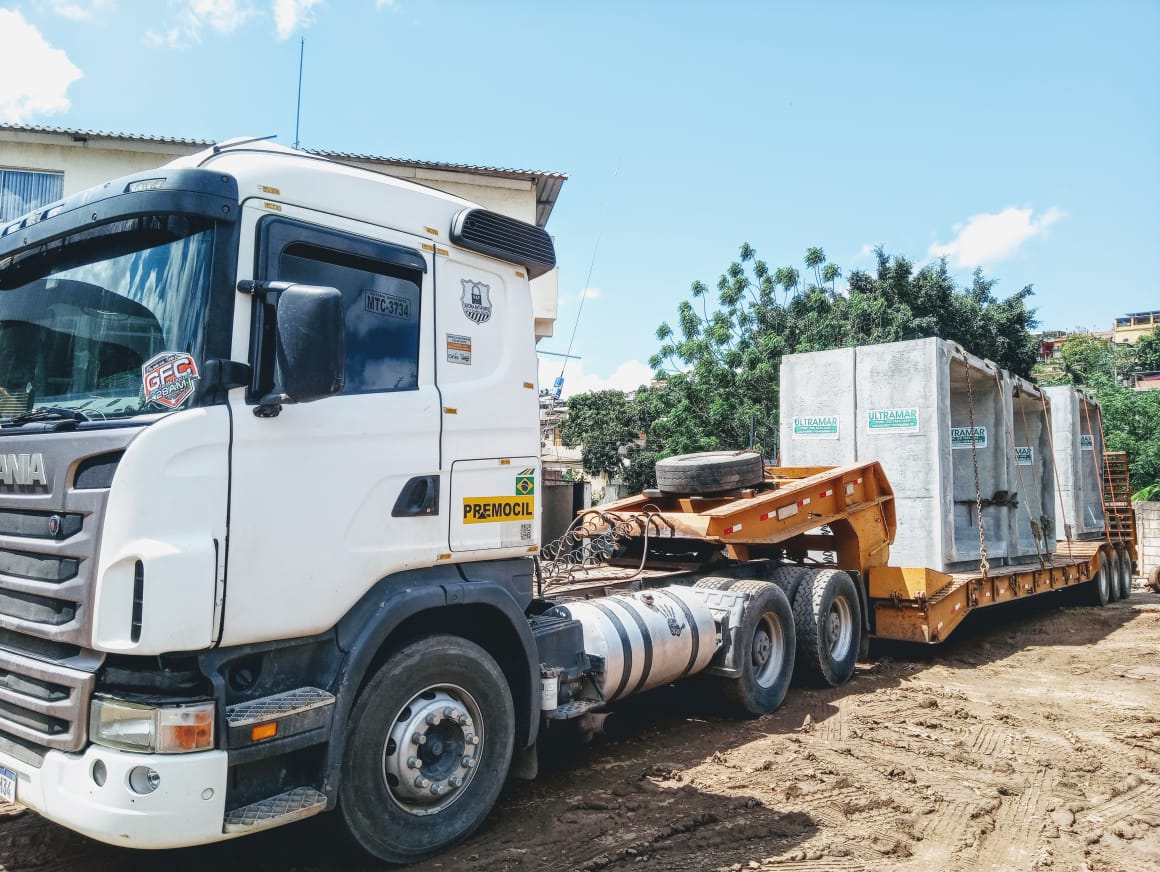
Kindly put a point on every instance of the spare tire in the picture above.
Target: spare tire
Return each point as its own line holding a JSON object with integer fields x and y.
{"x": 709, "y": 472}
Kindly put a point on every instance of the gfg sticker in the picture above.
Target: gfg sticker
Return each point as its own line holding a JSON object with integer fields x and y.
{"x": 169, "y": 378}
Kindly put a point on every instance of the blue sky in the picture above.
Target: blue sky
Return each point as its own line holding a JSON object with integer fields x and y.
{"x": 1020, "y": 136}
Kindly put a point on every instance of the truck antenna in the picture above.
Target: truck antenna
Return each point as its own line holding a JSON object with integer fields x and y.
{"x": 298, "y": 113}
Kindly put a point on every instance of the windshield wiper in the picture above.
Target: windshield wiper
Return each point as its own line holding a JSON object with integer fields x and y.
{"x": 47, "y": 413}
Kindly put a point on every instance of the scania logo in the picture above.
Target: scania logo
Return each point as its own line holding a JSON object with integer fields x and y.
{"x": 22, "y": 469}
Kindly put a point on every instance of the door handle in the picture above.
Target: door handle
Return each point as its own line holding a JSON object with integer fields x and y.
{"x": 419, "y": 497}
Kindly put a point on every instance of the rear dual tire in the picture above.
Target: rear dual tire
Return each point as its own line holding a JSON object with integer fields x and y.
{"x": 766, "y": 646}
{"x": 828, "y": 620}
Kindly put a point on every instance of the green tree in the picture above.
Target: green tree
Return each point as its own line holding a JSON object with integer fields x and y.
{"x": 603, "y": 424}
{"x": 1144, "y": 356}
{"x": 720, "y": 363}
{"x": 1131, "y": 419}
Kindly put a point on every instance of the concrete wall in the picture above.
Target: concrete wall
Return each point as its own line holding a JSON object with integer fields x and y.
{"x": 1147, "y": 537}
{"x": 1031, "y": 471}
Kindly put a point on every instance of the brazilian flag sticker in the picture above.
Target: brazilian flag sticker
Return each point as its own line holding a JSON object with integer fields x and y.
{"x": 525, "y": 482}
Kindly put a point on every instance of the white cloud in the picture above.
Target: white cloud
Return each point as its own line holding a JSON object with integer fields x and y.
{"x": 994, "y": 236}
{"x": 194, "y": 16}
{"x": 290, "y": 15}
{"x": 590, "y": 294}
{"x": 865, "y": 251}
{"x": 34, "y": 76}
{"x": 81, "y": 10}
{"x": 629, "y": 376}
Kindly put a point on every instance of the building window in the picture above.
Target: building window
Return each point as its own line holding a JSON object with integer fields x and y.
{"x": 22, "y": 191}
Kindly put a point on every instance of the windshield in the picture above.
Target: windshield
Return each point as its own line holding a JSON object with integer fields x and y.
{"x": 108, "y": 324}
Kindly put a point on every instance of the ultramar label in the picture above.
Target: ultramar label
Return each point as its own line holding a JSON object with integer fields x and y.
{"x": 965, "y": 437}
{"x": 892, "y": 420}
{"x": 492, "y": 510}
{"x": 816, "y": 427}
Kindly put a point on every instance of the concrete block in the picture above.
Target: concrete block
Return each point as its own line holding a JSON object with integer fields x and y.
{"x": 1075, "y": 430}
{"x": 931, "y": 414}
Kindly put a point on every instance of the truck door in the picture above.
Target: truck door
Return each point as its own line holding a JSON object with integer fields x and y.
{"x": 331, "y": 496}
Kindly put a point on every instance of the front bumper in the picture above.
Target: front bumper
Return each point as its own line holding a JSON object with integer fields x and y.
{"x": 187, "y": 808}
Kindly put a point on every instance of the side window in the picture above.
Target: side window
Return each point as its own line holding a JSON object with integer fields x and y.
{"x": 381, "y": 287}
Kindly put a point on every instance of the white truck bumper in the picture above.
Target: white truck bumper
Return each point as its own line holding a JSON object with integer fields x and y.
{"x": 187, "y": 808}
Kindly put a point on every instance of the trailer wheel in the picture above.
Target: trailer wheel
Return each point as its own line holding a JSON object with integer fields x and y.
{"x": 429, "y": 748}
{"x": 1124, "y": 559}
{"x": 828, "y": 619}
{"x": 1099, "y": 590}
{"x": 766, "y": 645}
{"x": 709, "y": 472}
{"x": 1112, "y": 567}
{"x": 1154, "y": 579}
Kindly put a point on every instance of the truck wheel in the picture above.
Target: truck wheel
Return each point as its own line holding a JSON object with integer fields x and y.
{"x": 1099, "y": 589}
{"x": 828, "y": 619}
{"x": 709, "y": 472}
{"x": 766, "y": 644}
{"x": 429, "y": 748}
{"x": 1112, "y": 567}
{"x": 1154, "y": 579}
{"x": 1125, "y": 561}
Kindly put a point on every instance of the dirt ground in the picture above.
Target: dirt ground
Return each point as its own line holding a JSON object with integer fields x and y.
{"x": 1031, "y": 740}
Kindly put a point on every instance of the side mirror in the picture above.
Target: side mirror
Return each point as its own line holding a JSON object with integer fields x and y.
{"x": 309, "y": 342}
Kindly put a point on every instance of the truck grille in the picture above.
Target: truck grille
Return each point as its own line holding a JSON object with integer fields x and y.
{"x": 49, "y": 537}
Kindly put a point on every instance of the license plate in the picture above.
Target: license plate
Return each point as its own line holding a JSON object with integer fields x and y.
{"x": 7, "y": 785}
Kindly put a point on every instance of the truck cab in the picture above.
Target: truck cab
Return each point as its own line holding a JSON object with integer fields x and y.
{"x": 264, "y": 419}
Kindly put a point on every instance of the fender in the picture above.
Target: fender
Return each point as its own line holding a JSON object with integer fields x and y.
{"x": 398, "y": 598}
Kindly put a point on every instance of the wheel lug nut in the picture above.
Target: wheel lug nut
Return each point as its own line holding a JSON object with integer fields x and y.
{"x": 436, "y": 789}
{"x": 462, "y": 720}
{"x": 448, "y": 712}
{"x": 419, "y": 739}
{"x": 455, "y": 781}
{"x": 414, "y": 763}
{"x": 468, "y": 762}
{"x": 433, "y": 719}
{"x": 471, "y": 739}
{"x": 421, "y": 782}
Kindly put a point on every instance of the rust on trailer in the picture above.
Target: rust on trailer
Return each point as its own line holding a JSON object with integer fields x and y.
{"x": 855, "y": 502}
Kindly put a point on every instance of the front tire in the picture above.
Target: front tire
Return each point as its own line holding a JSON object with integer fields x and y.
{"x": 429, "y": 747}
{"x": 828, "y": 617}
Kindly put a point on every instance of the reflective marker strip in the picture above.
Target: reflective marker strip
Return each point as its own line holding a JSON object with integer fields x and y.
{"x": 826, "y": 493}
{"x": 734, "y": 529}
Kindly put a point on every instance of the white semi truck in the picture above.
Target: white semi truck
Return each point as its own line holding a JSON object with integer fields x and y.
{"x": 269, "y": 463}
{"x": 270, "y": 521}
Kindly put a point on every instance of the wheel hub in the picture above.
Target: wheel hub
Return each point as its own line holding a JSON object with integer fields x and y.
{"x": 433, "y": 749}
{"x": 766, "y": 651}
{"x": 839, "y": 628}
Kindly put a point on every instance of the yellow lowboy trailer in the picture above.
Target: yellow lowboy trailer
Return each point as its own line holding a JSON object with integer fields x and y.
{"x": 847, "y": 515}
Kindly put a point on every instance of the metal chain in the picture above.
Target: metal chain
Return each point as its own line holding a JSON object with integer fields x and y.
{"x": 984, "y": 564}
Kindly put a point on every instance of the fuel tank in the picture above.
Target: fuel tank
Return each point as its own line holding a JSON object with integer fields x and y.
{"x": 646, "y": 638}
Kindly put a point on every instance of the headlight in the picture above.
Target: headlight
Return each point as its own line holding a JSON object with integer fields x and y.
{"x": 133, "y": 726}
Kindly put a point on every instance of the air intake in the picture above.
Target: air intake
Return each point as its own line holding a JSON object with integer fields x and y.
{"x": 506, "y": 238}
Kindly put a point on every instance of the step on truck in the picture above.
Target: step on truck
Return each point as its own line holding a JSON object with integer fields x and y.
{"x": 269, "y": 521}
